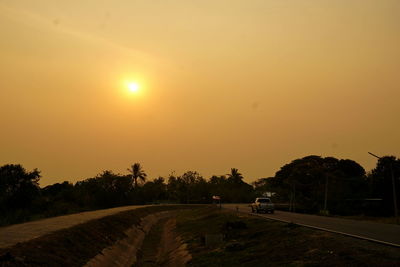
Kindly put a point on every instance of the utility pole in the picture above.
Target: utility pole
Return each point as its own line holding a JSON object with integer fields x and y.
{"x": 326, "y": 193}
{"x": 393, "y": 188}
{"x": 328, "y": 169}
{"x": 294, "y": 196}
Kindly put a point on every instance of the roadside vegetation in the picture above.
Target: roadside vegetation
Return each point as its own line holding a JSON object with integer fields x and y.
{"x": 312, "y": 184}
{"x": 244, "y": 240}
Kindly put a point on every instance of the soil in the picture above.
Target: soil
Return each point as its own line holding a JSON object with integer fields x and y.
{"x": 252, "y": 241}
{"x": 77, "y": 245}
{"x": 163, "y": 246}
{"x": 245, "y": 241}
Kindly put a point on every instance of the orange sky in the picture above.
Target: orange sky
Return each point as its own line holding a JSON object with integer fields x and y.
{"x": 228, "y": 83}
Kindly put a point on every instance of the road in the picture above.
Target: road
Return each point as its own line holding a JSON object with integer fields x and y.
{"x": 13, "y": 234}
{"x": 384, "y": 233}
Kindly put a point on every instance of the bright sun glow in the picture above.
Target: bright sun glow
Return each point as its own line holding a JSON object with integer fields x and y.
{"x": 133, "y": 87}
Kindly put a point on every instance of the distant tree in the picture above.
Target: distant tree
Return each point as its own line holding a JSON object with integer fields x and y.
{"x": 264, "y": 185}
{"x": 381, "y": 185}
{"x": 155, "y": 190}
{"x": 137, "y": 172}
{"x": 235, "y": 176}
{"x": 305, "y": 181}
{"x": 187, "y": 186}
{"x": 113, "y": 189}
{"x": 236, "y": 190}
{"x": 197, "y": 187}
{"x": 105, "y": 190}
{"x": 59, "y": 192}
{"x": 190, "y": 187}
{"x": 18, "y": 187}
{"x": 218, "y": 186}
{"x": 58, "y": 198}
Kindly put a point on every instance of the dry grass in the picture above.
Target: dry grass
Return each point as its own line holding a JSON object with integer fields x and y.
{"x": 250, "y": 241}
{"x": 388, "y": 220}
{"x": 76, "y": 245}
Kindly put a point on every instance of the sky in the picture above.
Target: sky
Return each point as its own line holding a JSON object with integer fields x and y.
{"x": 223, "y": 84}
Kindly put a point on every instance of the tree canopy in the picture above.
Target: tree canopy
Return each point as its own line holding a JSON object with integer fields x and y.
{"x": 137, "y": 173}
{"x": 18, "y": 187}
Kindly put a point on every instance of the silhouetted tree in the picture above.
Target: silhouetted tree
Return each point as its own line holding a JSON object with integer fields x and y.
{"x": 235, "y": 176}
{"x": 155, "y": 190}
{"x": 137, "y": 172}
{"x": 105, "y": 190}
{"x": 305, "y": 181}
{"x": 59, "y": 198}
{"x": 18, "y": 187}
{"x": 380, "y": 182}
{"x": 218, "y": 186}
{"x": 190, "y": 187}
{"x": 236, "y": 190}
{"x": 264, "y": 185}
{"x": 173, "y": 188}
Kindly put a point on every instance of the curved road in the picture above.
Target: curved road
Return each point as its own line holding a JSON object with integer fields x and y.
{"x": 380, "y": 232}
{"x": 13, "y": 234}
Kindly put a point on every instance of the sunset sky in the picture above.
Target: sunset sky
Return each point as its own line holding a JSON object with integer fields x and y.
{"x": 249, "y": 84}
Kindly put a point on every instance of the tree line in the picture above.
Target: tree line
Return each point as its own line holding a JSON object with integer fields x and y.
{"x": 311, "y": 184}
{"x": 22, "y": 199}
{"x": 314, "y": 184}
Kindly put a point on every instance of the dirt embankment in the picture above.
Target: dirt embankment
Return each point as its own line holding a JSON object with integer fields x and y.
{"x": 225, "y": 238}
{"x": 92, "y": 243}
{"x": 163, "y": 246}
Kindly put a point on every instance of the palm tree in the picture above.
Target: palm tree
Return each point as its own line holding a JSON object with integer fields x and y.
{"x": 137, "y": 172}
{"x": 235, "y": 175}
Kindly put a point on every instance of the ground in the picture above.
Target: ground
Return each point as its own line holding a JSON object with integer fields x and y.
{"x": 250, "y": 241}
{"x": 163, "y": 246}
{"x": 202, "y": 236}
{"x": 76, "y": 245}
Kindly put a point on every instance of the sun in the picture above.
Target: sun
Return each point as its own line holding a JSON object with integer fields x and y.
{"x": 133, "y": 87}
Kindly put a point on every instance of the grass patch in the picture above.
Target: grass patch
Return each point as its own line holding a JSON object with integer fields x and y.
{"x": 251, "y": 241}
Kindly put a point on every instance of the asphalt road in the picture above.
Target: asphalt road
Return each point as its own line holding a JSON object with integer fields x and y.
{"x": 13, "y": 234}
{"x": 385, "y": 233}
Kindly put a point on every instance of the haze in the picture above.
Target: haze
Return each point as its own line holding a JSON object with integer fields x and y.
{"x": 223, "y": 84}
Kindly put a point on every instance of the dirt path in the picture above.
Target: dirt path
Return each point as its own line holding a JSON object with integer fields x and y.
{"x": 13, "y": 234}
{"x": 163, "y": 247}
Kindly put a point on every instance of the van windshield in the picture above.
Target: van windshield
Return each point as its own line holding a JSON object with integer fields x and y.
{"x": 264, "y": 200}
